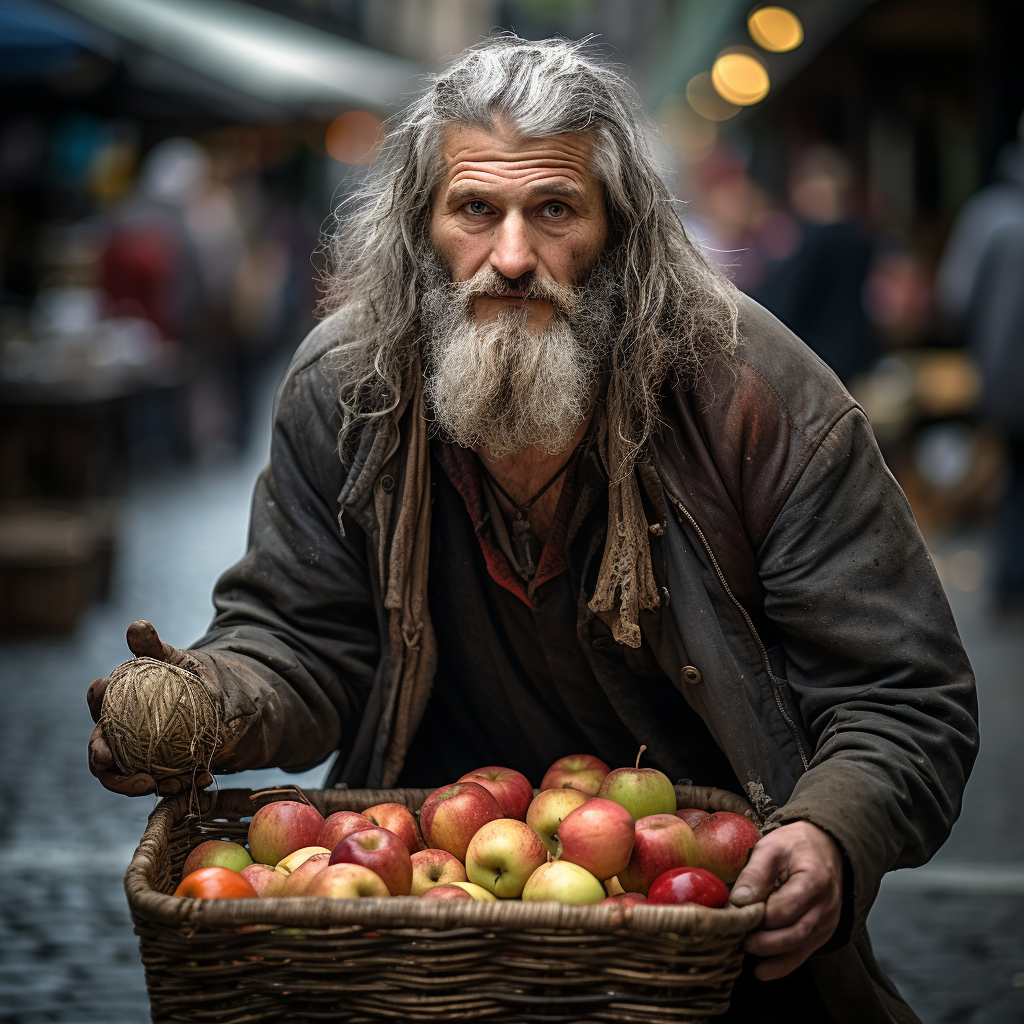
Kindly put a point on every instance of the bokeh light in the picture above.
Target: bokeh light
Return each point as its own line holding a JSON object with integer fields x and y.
{"x": 740, "y": 78}
{"x": 691, "y": 136}
{"x": 775, "y": 29}
{"x": 354, "y": 137}
{"x": 705, "y": 99}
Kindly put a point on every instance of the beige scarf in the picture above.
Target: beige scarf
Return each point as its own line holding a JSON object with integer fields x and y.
{"x": 625, "y": 583}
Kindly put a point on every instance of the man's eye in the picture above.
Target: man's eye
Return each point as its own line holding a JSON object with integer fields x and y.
{"x": 556, "y": 210}
{"x": 477, "y": 206}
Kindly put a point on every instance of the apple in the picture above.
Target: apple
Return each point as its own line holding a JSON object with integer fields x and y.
{"x": 286, "y": 865}
{"x": 279, "y": 828}
{"x": 689, "y": 885}
{"x": 549, "y": 809}
{"x": 563, "y": 882}
{"x": 598, "y": 836}
{"x": 691, "y": 815}
{"x": 662, "y": 842}
{"x": 724, "y": 840}
{"x": 642, "y": 791}
{"x": 627, "y": 898}
{"x": 382, "y": 852}
{"x": 510, "y": 788}
{"x": 576, "y": 771}
{"x": 452, "y": 815}
{"x": 502, "y": 856}
{"x": 431, "y": 868}
{"x": 478, "y": 892}
{"x": 346, "y": 881}
{"x": 446, "y": 892}
{"x": 215, "y": 883}
{"x": 263, "y": 878}
{"x": 216, "y": 853}
{"x": 295, "y": 883}
{"x": 399, "y": 819}
{"x": 340, "y": 825}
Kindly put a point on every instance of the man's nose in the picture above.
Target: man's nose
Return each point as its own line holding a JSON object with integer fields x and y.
{"x": 513, "y": 254}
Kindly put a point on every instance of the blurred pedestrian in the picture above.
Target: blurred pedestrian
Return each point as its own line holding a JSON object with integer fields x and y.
{"x": 817, "y": 291}
{"x": 980, "y": 290}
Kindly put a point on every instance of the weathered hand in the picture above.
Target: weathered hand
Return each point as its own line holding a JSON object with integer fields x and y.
{"x": 803, "y": 912}
{"x": 144, "y": 642}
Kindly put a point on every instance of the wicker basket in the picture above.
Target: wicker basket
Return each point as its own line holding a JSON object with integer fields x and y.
{"x": 359, "y": 960}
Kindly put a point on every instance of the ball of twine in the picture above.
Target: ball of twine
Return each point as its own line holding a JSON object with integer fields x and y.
{"x": 159, "y": 719}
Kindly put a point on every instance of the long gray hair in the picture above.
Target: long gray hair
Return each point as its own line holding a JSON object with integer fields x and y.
{"x": 677, "y": 310}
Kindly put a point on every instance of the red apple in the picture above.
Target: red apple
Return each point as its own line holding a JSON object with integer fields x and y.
{"x": 263, "y": 878}
{"x": 286, "y": 865}
{"x": 510, "y": 788}
{"x": 399, "y": 819}
{"x": 662, "y": 842}
{"x": 216, "y": 853}
{"x": 340, "y": 825}
{"x": 691, "y": 815}
{"x": 431, "y": 868}
{"x": 642, "y": 791}
{"x": 549, "y": 809}
{"x": 383, "y": 853}
{"x": 478, "y": 892}
{"x": 452, "y": 815}
{"x": 598, "y": 836}
{"x": 446, "y": 892}
{"x": 214, "y": 884}
{"x": 724, "y": 841}
{"x": 689, "y": 885}
{"x": 347, "y": 881}
{"x": 562, "y": 882}
{"x": 628, "y": 898}
{"x": 576, "y": 771}
{"x": 281, "y": 827}
{"x": 295, "y": 882}
{"x": 502, "y": 856}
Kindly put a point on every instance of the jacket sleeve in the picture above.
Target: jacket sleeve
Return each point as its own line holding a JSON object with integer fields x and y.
{"x": 295, "y": 641}
{"x": 883, "y": 685}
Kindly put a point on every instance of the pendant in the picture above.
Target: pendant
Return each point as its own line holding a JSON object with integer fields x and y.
{"x": 522, "y": 545}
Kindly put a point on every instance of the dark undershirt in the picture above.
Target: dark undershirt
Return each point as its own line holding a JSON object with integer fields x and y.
{"x": 514, "y": 684}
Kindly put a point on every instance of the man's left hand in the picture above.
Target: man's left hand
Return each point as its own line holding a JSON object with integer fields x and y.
{"x": 803, "y": 912}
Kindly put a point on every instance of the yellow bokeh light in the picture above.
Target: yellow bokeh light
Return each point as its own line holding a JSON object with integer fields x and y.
{"x": 740, "y": 78}
{"x": 706, "y": 101}
{"x": 775, "y": 29}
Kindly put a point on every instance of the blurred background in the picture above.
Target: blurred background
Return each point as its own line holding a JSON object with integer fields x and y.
{"x": 167, "y": 168}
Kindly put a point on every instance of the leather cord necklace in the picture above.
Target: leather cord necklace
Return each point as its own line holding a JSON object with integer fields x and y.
{"x": 523, "y": 536}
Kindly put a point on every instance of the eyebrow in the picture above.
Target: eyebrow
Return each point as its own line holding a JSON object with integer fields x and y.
{"x": 556, "y": 190}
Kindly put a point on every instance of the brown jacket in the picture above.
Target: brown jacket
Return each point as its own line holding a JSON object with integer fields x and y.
{"x": 830, "y": 670}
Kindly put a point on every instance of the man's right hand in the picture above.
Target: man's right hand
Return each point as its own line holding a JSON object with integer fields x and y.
{"x": 143, "y": 642}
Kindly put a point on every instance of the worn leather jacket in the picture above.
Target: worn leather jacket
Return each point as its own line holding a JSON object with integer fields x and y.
{"x": 814, "y": 636}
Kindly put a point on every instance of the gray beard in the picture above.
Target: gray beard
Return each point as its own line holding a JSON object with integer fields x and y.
{"x": 500, "y": 385}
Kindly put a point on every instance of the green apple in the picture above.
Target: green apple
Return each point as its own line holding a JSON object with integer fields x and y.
{"x": 564, "y": 883}
{"x": 502, "y": 856}
{"x": 478, "y": 892}
{"x": 548, "y": 810}
{"x": 216, "y": 853}
{"x": 642, "y": 791}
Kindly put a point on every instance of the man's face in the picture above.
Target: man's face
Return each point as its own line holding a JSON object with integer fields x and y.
{"x": 518, "y": 207}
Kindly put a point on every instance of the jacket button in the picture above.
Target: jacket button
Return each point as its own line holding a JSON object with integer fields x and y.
{"x": 665, "y": 596}
{"x": 387, "y": 483}
{"x": 690, "y": 674}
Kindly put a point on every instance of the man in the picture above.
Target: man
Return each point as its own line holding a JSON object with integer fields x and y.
{"x": 563, "y": 489}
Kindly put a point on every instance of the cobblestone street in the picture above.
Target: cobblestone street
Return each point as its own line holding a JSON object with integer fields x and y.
{"x": 951, "y": 934}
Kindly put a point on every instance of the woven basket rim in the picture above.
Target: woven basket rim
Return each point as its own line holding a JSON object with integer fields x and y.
{"x": 410, "y": 912}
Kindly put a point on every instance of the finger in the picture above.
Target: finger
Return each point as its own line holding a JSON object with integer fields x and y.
{"x": 100, "y": 757}
{"x": 802, "y": 890}
{"x": 811, "y": 930}
{"x": 779, "y": 966}
{"x": 94, "y": 696}
{"x": 757, "y": 879}
{"x": 144, "y": 642}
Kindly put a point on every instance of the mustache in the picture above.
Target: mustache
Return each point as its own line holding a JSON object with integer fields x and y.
{"x": 490, "y": 283}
